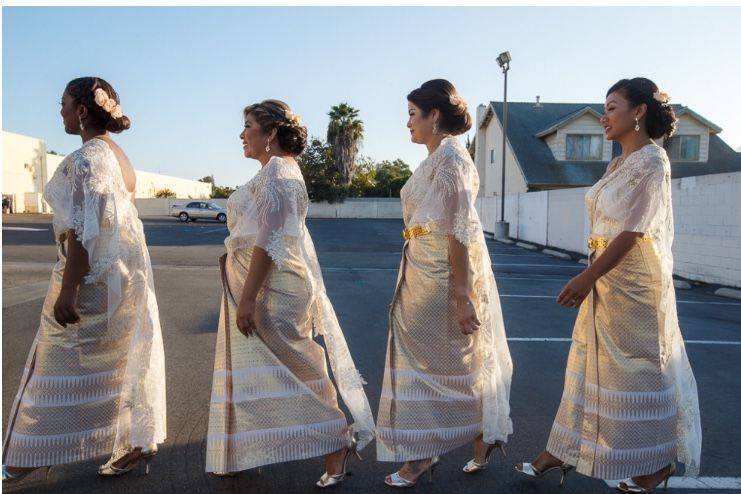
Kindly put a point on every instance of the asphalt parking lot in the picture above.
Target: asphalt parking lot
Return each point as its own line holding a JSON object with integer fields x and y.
{"x": 360, "y": 259}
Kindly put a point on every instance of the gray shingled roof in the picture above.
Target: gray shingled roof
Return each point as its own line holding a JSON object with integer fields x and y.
{"x": 541, "y": 169}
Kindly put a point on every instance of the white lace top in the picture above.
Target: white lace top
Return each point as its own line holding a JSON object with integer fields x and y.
{"x": 270, "y": 212}
{"x": 442, "y": 191}
{"x": 635, "y": 196}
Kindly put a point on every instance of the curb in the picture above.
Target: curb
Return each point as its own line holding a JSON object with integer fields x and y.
{"x": 729, "y": 292}
{"x": 526, "y": 246}
{"x": 556, "y": 253}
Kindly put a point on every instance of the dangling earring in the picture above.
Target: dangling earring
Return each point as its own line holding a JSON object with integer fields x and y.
{"x": 82, "y": 127}
{"x": 434, "y": 128}
{"x": 267, "y": 147}
{"x": 637, "y": 127}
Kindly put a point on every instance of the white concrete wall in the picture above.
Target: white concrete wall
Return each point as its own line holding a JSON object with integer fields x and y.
{"x": 147, "y": 185}
{"x": 351, "y": 208}
{"x": 707, "y": 224}
{"x": 24, "y": 171}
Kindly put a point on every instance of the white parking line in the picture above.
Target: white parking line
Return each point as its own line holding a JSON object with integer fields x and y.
{"x": 568, "y": 340}
{"x": 24, "y": 229}
{"x": 697, "y": 483}
{"x": 703, "y": 302}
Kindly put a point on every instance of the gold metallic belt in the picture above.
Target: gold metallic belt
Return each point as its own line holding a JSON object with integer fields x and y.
{"x": 601, "y": 242}
{"x": 597, "y": 243}
{"x": 415, "y": 231}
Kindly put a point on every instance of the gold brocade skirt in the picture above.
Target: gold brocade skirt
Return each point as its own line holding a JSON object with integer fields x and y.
{"x": 431, "y": 398}
{"x": 618, "y": 410}
{"x": 272, "y": 399}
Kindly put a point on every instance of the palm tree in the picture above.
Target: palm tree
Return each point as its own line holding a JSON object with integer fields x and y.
{"x": 344, "y": 135}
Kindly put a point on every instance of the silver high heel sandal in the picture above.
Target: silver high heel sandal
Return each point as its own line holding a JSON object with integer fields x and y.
{"x": 327, "y": 480}
{"x": 396, "y": 480}
{"x": 529, "y": 470}
{"x": 11, "y": 478}
{"x": 108, "y": 470}
{"x": 627, "y": 485}
{"x": 473, "y": 466}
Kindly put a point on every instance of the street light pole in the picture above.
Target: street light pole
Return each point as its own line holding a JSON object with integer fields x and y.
{"x": 501, "y": 229}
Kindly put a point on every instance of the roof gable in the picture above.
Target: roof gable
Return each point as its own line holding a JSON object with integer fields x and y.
{"x": 587, "y": 110}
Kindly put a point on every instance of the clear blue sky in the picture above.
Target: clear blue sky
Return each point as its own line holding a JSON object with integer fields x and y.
{"x": 184, "y": 74}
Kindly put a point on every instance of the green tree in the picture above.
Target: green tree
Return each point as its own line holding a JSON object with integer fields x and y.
{"x": 163, "y": 193}
{"x": 344, "y": 135}
{"x": 221, "y": 192}
{"x": 364, "y": 181}
{"x": 209, "y": 179}
{"x": 391, "y": 177}
{"x": 323, "y": 181}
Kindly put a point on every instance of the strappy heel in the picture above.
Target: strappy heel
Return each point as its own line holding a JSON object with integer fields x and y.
{"x": 627, "y": 485}
{"x": 327, "y": 480}
{"x": 473, "y": 466}
{"x": 530, "y": 470}
{"x": 109, "y": 470}
{"x": 12, "y": 478}
{"x": 396, "y": 480}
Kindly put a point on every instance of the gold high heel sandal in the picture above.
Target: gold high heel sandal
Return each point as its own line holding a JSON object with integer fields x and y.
{"x": 396, "y": 480}
{"x": 627, "y": 485}
{"x": 473, "y": 466}
{"x": 327, "y": 480}
{"x": 530, "y": 470}
{"x": 109, "y": 470}
{"x": 12, "y": 478}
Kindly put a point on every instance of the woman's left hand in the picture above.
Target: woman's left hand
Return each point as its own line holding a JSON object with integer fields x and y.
{"x": 576, "y": 290}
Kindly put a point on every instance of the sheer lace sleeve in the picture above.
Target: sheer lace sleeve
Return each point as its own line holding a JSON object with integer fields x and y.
{"x": 453, "y": 185}
{"x": 278, "y": 221}
{"x": 646, "y": 195}
{"x": 93, "y": 209}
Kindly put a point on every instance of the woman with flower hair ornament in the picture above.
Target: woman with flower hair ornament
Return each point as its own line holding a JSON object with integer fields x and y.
{"x": 629, "y": 407}
{"x": 94, "y": 382}
{"x": 448, "y": 368}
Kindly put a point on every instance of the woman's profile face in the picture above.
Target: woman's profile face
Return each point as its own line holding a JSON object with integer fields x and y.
{"x": 619, "y": 117}
{"x": 253, "y": 138}
{"x": 420, "y": 127}
{"x": 70, "y": 118}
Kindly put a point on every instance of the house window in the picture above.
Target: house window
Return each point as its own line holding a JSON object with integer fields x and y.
{"x": 684, "y": 148}
{"x": 584, "y": 147}
{"x": 491, "y": 156}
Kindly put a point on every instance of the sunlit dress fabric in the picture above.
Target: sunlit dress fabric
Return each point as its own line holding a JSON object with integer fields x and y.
{"x": 441, "y": 388}
{"x": 96, "y": 387}
{"x": 272, "y": 398}
{"x": 629, "y": 405}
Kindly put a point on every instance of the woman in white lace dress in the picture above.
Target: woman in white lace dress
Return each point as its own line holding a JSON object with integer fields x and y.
{"x": 94, "y": 382}
{"x": 272, "y": 399}
{"x": 448, "y": 368}
{"x": 629, "y": 405}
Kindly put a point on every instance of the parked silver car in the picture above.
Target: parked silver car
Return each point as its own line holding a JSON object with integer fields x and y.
{"x": 198, "y": 210}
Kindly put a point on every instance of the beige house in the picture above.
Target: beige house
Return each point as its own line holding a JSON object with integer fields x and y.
{"x": 27, "y": 167}
{"x": 561, "y": 145}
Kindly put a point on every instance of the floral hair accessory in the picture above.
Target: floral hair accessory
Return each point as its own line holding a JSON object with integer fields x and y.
{"x": 292, "y": 118}
{"x": 107, "y": 103}
{"x": 662, "y": 97}
{"x": 455, "y": 100}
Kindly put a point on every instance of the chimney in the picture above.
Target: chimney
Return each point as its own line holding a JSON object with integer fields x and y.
{"x": 537, "y": 102}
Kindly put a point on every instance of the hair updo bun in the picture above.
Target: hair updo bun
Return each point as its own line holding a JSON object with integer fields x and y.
{"x": 83, "y": 91}
{"x": 440, "y": 94}
{"x": 660, "y": 118}
{"x": 275, "y": 114}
